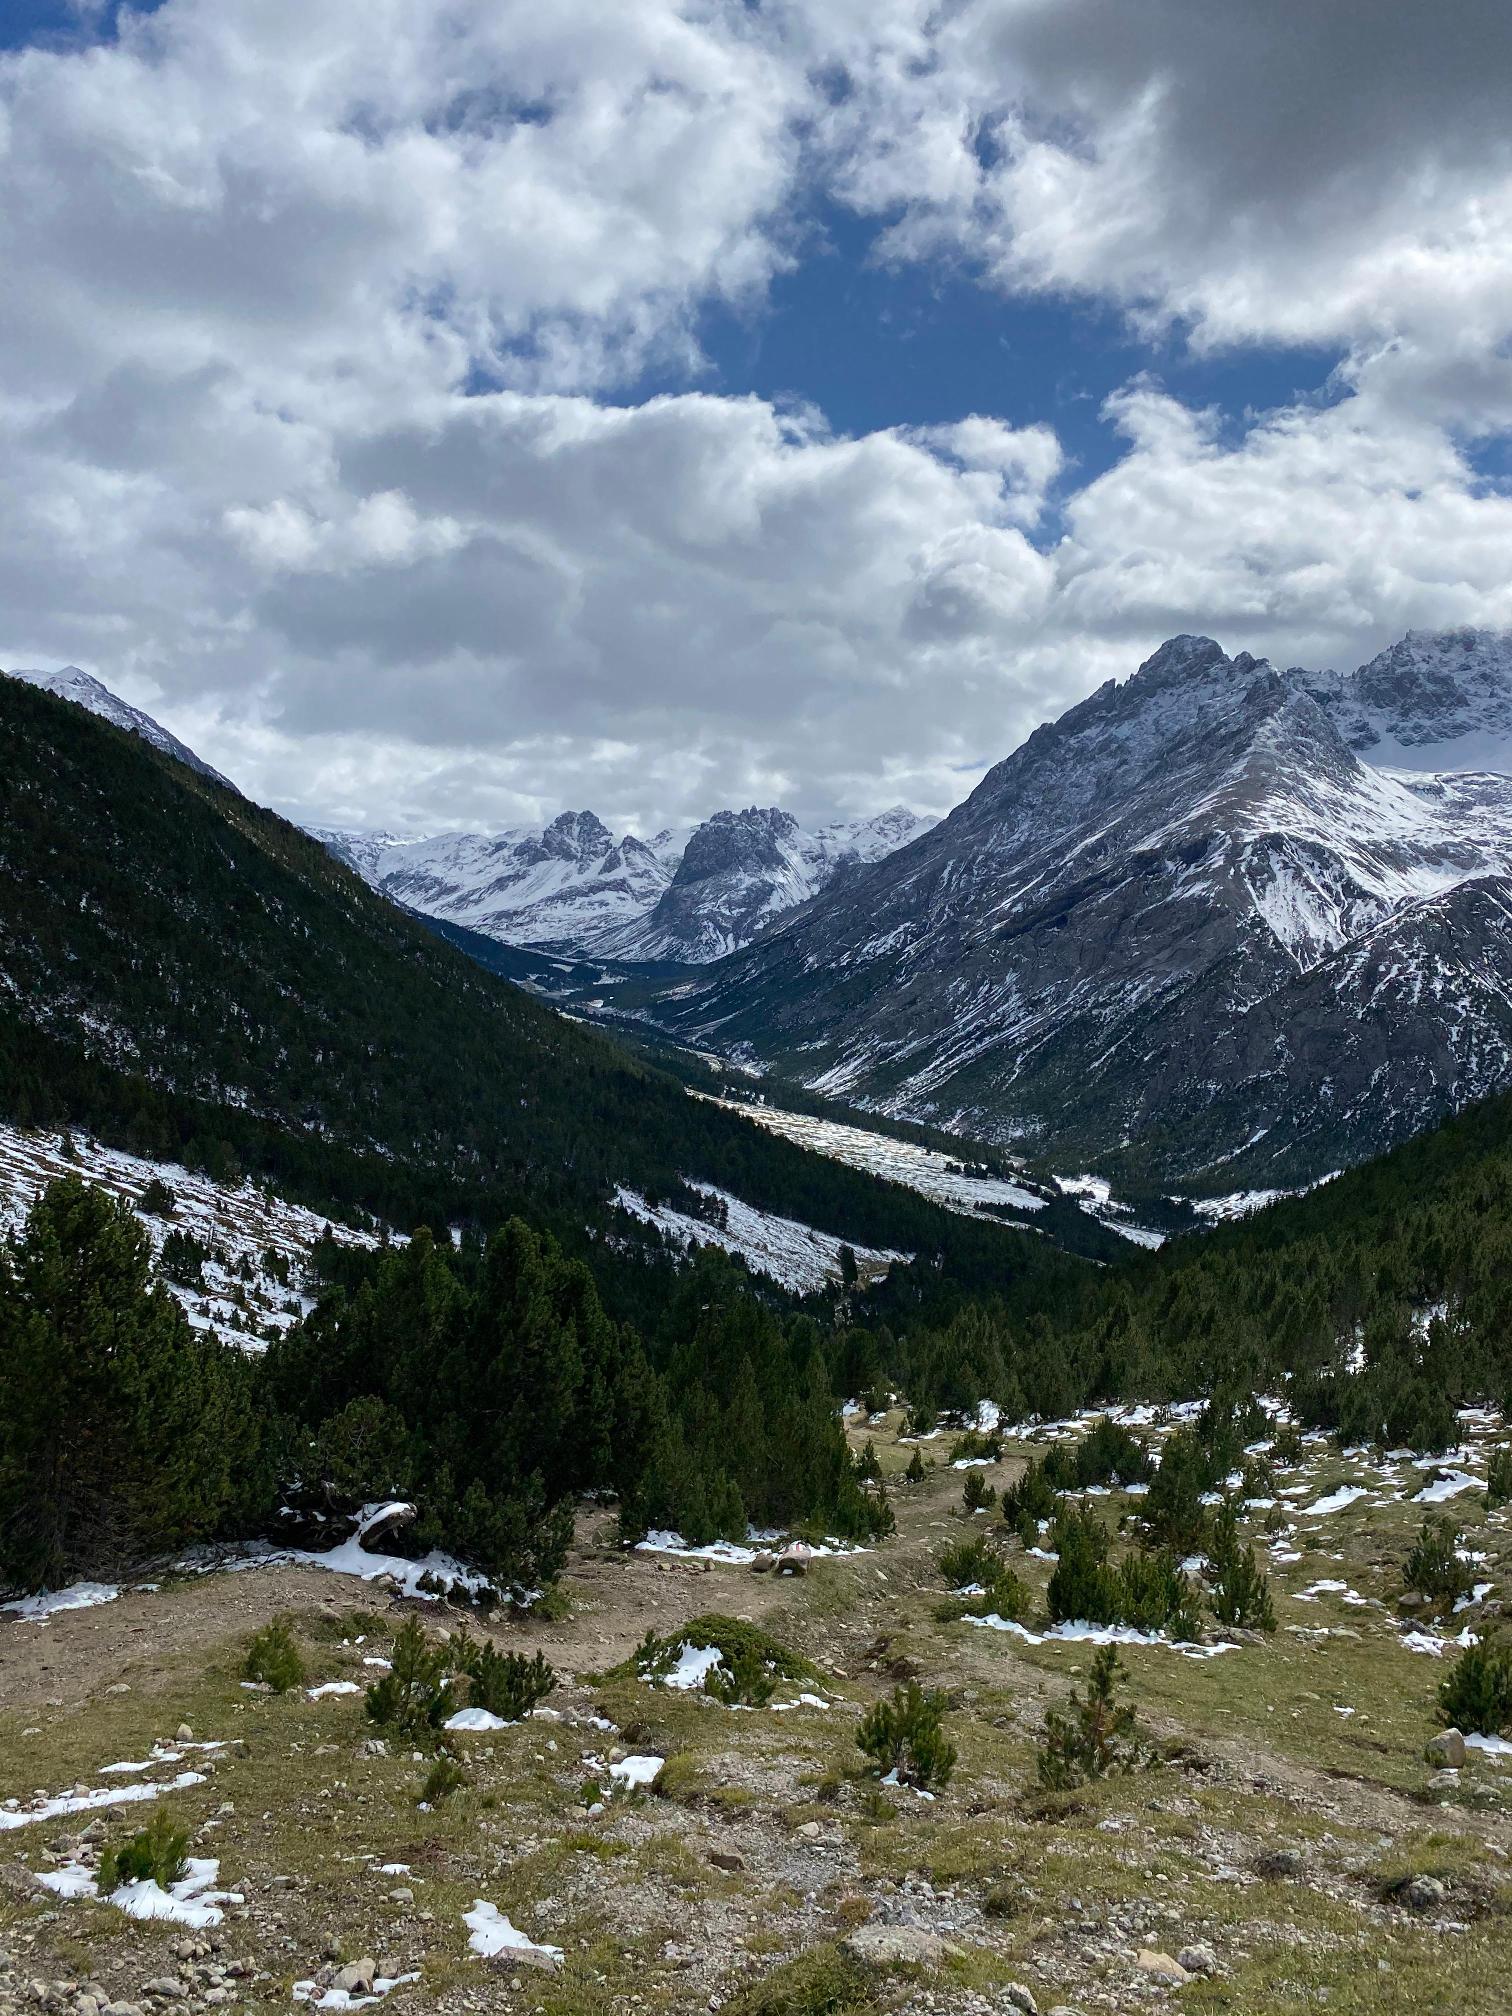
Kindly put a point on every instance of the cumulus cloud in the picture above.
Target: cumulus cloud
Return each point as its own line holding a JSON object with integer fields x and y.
{"x": 1289, "y": 172}
{"x": 320, "y": 322}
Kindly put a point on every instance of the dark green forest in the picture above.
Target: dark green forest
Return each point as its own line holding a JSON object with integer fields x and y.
{"x": 191, "y": 978}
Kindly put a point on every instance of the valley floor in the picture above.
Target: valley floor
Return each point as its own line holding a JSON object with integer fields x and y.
{"x": 1279, "y": 1830}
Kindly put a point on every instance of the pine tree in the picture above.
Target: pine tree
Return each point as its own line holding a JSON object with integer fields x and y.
{"x": 121, "y": 1432}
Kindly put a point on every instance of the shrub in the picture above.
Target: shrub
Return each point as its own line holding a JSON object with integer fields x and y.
{"x": 977, "y": 1495}
{"x": 1173, "y": 1510}
{"x": 1030, "y": 1499}
{"x": 742, "y": 1679}
{"x": 975, "y": 1446}
{"x": 1111, "y": 1455}
{"x": 915, "y": 1472}
{"x": 157, "y": 1200}
{"x": 905, "y": 1734}
{"x": 1154, "y": 1594}
{"x": 273, "y": 1657}
{"x": 1499, "y": 1477}
{"x": 1286, "y": 1449}
{"x": 1082, "y": 1586}
{"x": 868, "y": 1465}
{"x": 964, "y": 1562}
{"x": 1090, "y": 1738}
{"x": 1257, "y": 1479}
{"x": 1433, "y": 1568}
{"x": 184, "y": 1258}
{"x": 1241, "y": 1594}
{"x": 414, "y": 1697}
{"x": 751, "y": 1661}
{"x": 824, "y": 1981}
{"x": 156, "y": 1855}
{"x": 507, "y": 1684}
{"x": 444, "y": 1777}
{"x": 976, "y": 1563}
{"x": 1476, "y": 1693}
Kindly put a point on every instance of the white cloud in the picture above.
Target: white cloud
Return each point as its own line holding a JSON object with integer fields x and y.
{"x": 1293, "y": 172}
{"x": 257, "y": 253}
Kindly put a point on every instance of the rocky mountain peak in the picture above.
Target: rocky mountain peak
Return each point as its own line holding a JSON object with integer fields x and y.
{"x": 577, "y": 836}
{"x": 1433, "y": 700}
{"x": 751, "y": 839}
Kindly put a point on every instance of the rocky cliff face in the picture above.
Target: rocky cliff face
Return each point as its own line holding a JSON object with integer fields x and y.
{"x": 1184, "y": 930}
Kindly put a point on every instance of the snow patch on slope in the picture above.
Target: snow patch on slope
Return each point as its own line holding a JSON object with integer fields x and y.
{"x": 801, "y": 1259}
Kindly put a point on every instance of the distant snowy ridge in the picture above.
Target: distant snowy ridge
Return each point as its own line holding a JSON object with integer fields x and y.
{"x": 86, "y": 691}
{"x": 687, "y": 895}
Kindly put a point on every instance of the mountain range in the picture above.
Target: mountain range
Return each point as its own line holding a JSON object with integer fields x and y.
{"x": 687, "y": 896}
{"x": 1218, "y": 925}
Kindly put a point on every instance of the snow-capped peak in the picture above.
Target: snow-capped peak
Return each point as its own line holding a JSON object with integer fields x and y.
{"x": 686, "y": 895}
{"x": 87, "y": 691}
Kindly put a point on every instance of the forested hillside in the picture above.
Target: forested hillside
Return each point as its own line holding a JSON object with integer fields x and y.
{"x": 1387, "y": 1292}
{"x": 194, "y": 978}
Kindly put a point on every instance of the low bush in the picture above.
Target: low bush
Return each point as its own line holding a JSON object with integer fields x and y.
{"x": 1154, "y": 1594}
{"x": 507, "y": 1684}
{"x": 1148, "y": 1591}
{"x": 1111, "y": 1455}
{"x": 1241, "y": 1594}
{"x": 444, "y": 1777}
{"x": 824, "y": 1981}
{"x": 1499, "y": 1477}
{"x": 976, "y": 1564}
{"x": 977, "y": 1495}
{"x": 1173, "y": 1511}
{"x": 157, "y": 1855}
{"x": 1286, "y": 1447}
{"x": 905, "y": 1735}
{"x": 414, "y": 1697}
{"x": 1082, "y": 1585}
{"x": 1090, "y": 1738}
{"x": 1030, "y": 1499}
{"x": 964, "y": 1562}
{"x": 157, "y": 1200}
{"x": 751, "y": 1661}
{"x": 273, "y": 1658}
{"x": 976, "y": 1446}
{"x": 1433, "y": 1567}
{"x": 1476, "y": 1693}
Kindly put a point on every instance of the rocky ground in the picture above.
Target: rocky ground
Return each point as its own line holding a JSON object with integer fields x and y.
{"x": 1290, "y": 1848}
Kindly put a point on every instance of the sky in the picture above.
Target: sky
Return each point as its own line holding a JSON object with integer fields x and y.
{"x": 443, "y": 412}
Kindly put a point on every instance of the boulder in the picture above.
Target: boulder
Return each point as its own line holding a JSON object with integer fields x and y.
{"x": 897, "y": 1946}
{"x": 1420, "y": 1893}
{"x": 1446, "y": 1751}
{"x": 1198, "y": 1959}
{"x": 358, "y": 1978}
{"x": 1279, "y": 1862}
{"x": 1160, "y": 1966}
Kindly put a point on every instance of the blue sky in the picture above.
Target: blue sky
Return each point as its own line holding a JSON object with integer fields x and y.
{"x": 441, "y": 416}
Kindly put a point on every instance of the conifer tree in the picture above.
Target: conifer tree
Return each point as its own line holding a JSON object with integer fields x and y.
{"x": 121, "y": 1431}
